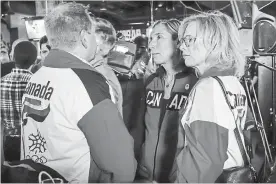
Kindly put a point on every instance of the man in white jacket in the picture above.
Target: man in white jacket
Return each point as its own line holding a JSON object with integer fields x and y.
{"x": 64, "y": 121}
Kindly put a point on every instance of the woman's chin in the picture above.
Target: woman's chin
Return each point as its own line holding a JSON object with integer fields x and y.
{"x": 189, "y": 64}
{"x": 159, "y": 62}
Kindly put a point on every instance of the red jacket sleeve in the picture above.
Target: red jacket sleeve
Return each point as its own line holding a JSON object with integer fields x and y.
{"x": 111, "y": 146}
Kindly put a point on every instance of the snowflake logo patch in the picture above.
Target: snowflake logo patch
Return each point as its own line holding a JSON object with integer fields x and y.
{"x": 38, "y": 143}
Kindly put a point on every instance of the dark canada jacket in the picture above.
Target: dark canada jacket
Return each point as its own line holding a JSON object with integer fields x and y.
{"x": 161, "y": 122}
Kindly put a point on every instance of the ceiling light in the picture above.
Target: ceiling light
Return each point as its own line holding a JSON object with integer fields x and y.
{"x": 170, "y": 6}
{"x": 160, "y": 4}
{"x": 103, "y": 6}
{"x": 136, "y": 23}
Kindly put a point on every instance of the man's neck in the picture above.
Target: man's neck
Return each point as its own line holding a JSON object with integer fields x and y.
{"x": 77, "y": 56}
{"x": 76, "y": 52}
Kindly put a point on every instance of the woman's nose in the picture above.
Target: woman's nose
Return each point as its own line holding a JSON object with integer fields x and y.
{"x": 182, "y": 46}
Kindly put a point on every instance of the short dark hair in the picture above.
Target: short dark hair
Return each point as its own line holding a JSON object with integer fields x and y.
{"x": 141, "y": 41}
{"x": 43, "y": 40}
{"x": 25, "y": 54}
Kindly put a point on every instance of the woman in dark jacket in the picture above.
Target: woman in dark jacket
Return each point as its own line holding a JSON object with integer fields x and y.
{"x": 166, "y": 92}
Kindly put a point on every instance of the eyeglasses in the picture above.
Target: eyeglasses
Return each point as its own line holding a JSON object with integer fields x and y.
{"x": 188, "y": 40}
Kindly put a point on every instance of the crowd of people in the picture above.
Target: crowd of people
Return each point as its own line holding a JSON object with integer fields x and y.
{"x": 72, "y": 112}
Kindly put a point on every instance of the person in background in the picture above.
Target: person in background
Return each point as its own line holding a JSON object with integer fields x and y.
{"x": 210, "y": 44}
{"x": 106, "y": 37}
{"x": 133, "y": 89}
{"x": 7, "y": 67}
{"x": 4, "y": 56}
{"x": 165, "y": 93}
{"x": 6, "y": 64}
{"x": 141, "y": 57}
{"x": 44, "y": 51}
{"x": 12, "y": 89}
{"x": 80, "y": 130}
{"x": 142, "y": 45}
{"x": 44, "y": 47}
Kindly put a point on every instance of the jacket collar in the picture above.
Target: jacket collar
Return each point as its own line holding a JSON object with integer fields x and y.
{"x": 62, "y": 59}
{"x": 186, "y": 71}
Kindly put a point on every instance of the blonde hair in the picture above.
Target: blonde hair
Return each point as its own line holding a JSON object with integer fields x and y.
{"x": 220, "y": 33}
{"x": 105, "y": 30}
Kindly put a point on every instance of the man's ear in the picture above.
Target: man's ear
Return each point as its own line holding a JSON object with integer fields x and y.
{"x": 99, "y": 48}
{"x": 83, "y": 38}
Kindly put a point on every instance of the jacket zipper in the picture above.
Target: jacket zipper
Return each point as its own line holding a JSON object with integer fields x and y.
{"x": 163, "y": 108}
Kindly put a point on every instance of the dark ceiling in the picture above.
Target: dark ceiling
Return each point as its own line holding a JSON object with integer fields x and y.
{"x": 125, "y": 13}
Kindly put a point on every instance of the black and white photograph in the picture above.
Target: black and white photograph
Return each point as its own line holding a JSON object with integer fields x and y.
{"x": 127, "y": 91}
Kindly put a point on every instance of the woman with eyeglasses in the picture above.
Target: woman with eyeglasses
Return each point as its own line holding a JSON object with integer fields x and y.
{"x": 166, "y": 92}
{"x": 210, "y": 44}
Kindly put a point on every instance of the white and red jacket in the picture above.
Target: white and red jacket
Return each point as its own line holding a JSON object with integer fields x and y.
{"x": 71, "y": 125}
{"x": 209, "y": 144}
